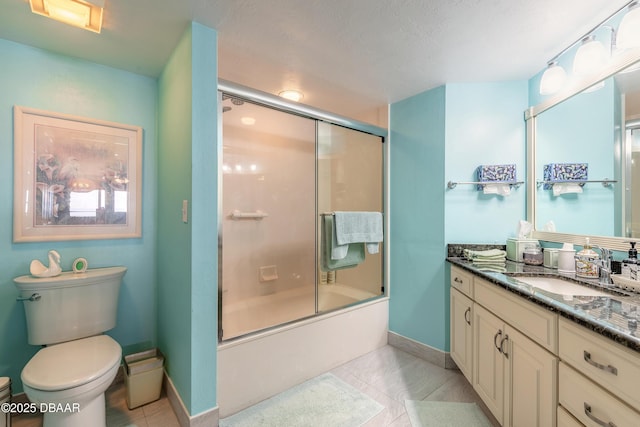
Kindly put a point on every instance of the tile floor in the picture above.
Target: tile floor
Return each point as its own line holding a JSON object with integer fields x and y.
{"x": 154, "y": 414}
{"x": 387, "y": 375}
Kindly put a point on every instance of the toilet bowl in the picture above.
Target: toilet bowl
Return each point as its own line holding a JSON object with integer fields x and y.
{"x": 67, "y": 381}
{"x": 68, "y": 314}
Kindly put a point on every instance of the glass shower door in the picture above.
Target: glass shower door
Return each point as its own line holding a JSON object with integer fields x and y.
{"x": 268, "y": 262}
{"x": 350, "y": 178}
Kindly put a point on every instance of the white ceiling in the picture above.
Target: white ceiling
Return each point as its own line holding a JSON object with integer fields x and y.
{"x": 348, "y": 56}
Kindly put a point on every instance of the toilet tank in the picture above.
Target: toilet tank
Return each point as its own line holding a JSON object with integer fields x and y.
{"x": 70, "y": 306}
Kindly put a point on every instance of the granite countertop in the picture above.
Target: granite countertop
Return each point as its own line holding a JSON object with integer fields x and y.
{"x": 614, "y": 316}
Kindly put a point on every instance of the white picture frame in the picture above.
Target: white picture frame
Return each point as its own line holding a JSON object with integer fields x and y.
{"x": 75, "y": 178}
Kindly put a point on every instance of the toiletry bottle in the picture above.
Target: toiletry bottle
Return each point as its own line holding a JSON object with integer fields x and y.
{"x": 587, "y": 262}
{"x": 631, "y": 263}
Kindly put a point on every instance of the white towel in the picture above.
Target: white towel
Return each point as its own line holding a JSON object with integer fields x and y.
{"x": 566, "y": 188}
{"x": 500, "y": 189}
{"x": 359, "y": 227}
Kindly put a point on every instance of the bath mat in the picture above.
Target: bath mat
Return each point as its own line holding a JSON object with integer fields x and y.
{"x": 445, "y": 414}
{"x": 321, "y": 401}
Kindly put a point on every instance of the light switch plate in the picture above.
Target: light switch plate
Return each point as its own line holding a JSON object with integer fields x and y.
{"x": 185, "y": 211}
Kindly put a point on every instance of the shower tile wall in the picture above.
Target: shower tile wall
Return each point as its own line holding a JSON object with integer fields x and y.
{"x": 267, "y": 168}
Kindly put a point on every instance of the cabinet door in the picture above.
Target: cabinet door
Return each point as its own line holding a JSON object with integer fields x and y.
{"x": 461, "y": 332}
{"x": 488, "y": 362}
{"x": 531, "y": 398}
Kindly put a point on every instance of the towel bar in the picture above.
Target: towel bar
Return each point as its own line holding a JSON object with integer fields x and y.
{"x": 333, "y": 213}
{"x": 451, "y": 185}
{"x": 605, "y": 182}
{"x": 257, "y": 215}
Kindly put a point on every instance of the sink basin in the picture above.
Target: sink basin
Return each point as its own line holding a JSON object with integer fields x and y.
{"x": 560, "y": 287}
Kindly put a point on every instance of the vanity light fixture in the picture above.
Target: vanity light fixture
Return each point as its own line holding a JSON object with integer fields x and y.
{"x": 629, "y": 30}
{"x": 86, "y": 14}
{"x": 291, "y": 95}
{"x": 552, "y": 79}
{"x": 592, "y": 55}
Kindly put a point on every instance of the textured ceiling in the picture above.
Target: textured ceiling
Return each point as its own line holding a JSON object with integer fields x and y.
{"x": 347, "y": 56}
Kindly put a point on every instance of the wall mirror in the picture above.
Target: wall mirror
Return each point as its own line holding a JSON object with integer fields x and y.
{"x": 595, "y": 122}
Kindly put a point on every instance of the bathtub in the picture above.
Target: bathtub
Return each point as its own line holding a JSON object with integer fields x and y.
{"x": 266, "y": 311}
{"x": 332, "y": 296}
{"x": 255, "y": 367}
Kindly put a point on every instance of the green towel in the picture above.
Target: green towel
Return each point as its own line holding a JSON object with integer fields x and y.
{"x": 355, "y": 253}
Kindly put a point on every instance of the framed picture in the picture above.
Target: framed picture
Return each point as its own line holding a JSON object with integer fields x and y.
{"x": 75, "y": 178}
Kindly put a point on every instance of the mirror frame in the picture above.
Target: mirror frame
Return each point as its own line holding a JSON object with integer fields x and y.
{"x": 618, "y": 63}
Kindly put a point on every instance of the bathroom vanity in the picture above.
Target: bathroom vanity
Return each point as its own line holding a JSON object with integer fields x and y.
{"x": 542, "y": 349}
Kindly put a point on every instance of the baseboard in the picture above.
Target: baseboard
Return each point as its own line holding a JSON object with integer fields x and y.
{"x": 203, "y": 419}
{"x": 423, "y": 351}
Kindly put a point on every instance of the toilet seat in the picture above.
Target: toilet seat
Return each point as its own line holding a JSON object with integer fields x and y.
{"x": 71, "y": 364}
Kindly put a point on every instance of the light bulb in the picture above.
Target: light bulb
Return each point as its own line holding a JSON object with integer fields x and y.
{"x": 552, "y": 79}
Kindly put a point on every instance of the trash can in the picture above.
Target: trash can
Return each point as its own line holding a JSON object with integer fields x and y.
{"x": 143, "y": 377}
{"x": 5, "y": 399}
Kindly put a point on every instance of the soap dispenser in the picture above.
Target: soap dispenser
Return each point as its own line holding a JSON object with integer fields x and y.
{"x": 630, "y": 264}
{"x": 587, "y": 262}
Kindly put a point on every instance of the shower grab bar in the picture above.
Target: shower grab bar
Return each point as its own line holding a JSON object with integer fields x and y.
{"x": 257, "y": 215}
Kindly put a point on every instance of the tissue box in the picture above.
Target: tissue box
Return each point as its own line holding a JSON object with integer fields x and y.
{"x": 495, "y": 173}
{"x": 564, "y": 172}
{"x": 515, "y": 248}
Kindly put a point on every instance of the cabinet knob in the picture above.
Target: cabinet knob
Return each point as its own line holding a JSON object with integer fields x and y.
{"x": 467, "y": 318}
{"x": 457, "y": 279}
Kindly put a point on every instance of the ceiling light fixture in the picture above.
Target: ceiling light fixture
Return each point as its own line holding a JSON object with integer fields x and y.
{"x": 592, "y": 54}
{"x": 291, "y": 95}
{"x": 86, "y": 14}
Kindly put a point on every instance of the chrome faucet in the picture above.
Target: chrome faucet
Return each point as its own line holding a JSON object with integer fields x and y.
{"x": 606, "y": 256}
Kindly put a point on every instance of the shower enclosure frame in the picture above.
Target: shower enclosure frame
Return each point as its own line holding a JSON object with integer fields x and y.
{"x": 281, "y": 104}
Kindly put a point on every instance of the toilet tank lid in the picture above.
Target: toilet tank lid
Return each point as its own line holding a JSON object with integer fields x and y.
{"x": 69, "y": 279}
{"x": 71, "y": 364}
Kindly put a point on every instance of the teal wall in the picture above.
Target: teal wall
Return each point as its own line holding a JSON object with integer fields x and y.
{"x": 187, "y": 252}
{"x": 437, "y": 136}
{"x": 485, "y": 126}
{"x": 418, "y": 302}
{"x": 34, "y": 78}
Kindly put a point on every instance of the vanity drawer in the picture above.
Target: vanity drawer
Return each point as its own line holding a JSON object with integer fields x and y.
{"x": 462, "y": 281}
{"x": 535, "y": 322}
{"x": 565, "y": 419}
{"x": 611, "y": 365}
{"x": 590, "y": 404}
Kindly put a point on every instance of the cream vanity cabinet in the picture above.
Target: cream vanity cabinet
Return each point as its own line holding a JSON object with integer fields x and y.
{"x": 461, "y": 312}
{"x": 599, "y": 380}
{"x": 513, "y": 366}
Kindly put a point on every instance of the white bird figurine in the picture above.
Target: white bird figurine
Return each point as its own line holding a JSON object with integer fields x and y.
{"x": 38, "y": 269}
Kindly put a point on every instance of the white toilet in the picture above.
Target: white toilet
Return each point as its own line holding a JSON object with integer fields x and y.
{"x": 68, "y": 313}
